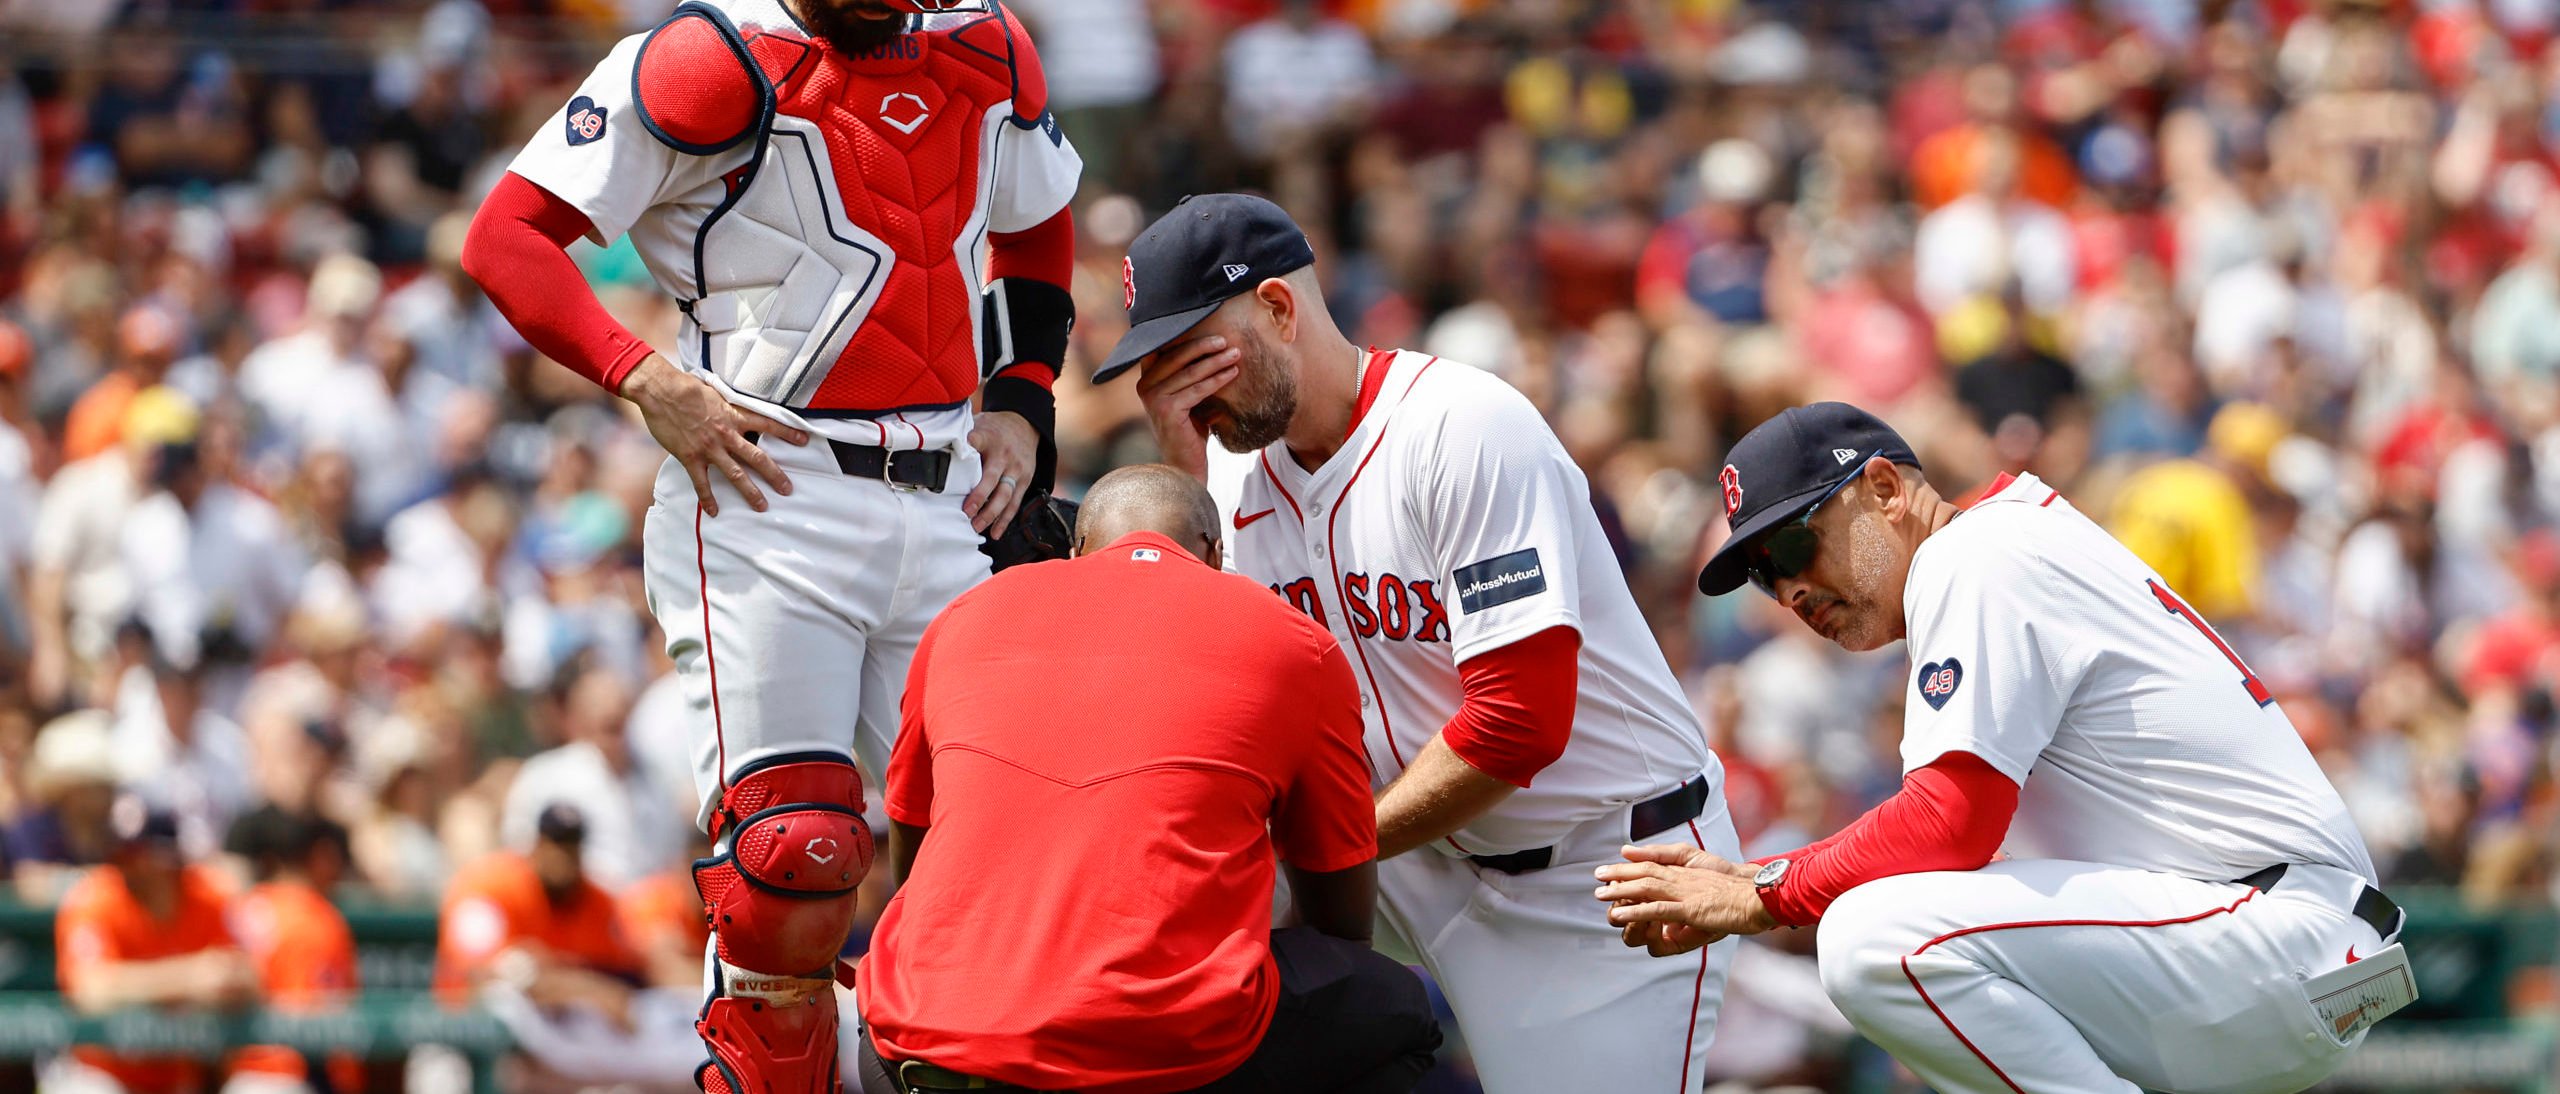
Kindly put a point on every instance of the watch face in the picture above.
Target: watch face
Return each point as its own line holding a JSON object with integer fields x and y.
{"x": 1770, "y": 873}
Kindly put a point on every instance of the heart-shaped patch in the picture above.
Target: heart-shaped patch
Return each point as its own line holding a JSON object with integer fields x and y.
{"x": 1938, "y": 680}
{"x": 586, "y": 120}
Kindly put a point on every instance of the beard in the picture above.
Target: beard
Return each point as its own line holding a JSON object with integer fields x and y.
{"x": 1864, "y": 623}
{"x": 846, "y": 28}
{"x": 1256, "y": 418}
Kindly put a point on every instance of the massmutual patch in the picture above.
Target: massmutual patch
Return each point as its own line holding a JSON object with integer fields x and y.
{"x": 1500, "y": 580}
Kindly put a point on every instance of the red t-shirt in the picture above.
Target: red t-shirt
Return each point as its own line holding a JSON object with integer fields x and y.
{"x": 1109, "y": 753}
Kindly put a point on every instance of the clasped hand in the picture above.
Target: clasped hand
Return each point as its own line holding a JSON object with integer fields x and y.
{"x": 1672, "y": 900}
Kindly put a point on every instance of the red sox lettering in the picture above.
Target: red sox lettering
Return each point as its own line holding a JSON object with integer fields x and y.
{"x": 1395, "y": 608}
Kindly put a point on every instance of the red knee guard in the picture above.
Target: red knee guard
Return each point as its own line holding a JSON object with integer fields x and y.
{"x": 792, "y": 846}
{"x": 791, "y": 849}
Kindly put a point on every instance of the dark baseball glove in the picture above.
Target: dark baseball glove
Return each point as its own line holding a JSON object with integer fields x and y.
{"x": 1044, "y": 529}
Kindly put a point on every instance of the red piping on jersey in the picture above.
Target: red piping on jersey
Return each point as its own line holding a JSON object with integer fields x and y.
{"x": 1372, "y": 377}
{"x": 1697, "y": 995}
{"x": 1274, "y": 476}
{"x": 1342, "y": 596}
{"x": 1907, "y": 974}
{"x": 702, "y": 574}
{"x": 1997, "y": 485}
{"x": 2048, "y": 499}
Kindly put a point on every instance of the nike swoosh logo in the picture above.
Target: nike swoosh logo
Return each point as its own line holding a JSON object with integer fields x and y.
{"x": 2351, "y": 955}
{"x": 1243, "y": 519}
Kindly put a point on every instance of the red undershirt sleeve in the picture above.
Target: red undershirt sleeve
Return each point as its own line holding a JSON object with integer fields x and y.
{"x": 517, "y": 251}
{"x": 1516, "y": 710}
{"x": 1949, "y": 815}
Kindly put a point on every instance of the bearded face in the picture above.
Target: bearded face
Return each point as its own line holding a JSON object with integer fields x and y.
{"x": 853, "y": 27}
{"x": 1254, "y": 409}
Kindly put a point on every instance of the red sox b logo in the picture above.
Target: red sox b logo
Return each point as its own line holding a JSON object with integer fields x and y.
{"x": 1732, "y": 482}
{"x": 1128, "y": 285}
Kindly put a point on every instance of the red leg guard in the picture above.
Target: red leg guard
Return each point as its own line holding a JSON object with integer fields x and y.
{"x": 791, "y": 849}
{"x": 779, "y": 1043}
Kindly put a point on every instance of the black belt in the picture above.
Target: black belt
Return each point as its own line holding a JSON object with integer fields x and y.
{"x": 919, "y": 1077}
{"x": 2371, "y": 905}
{"x": 908, "y": 468}
{"x": 912, "y": 468}
{"x": 1680, "y": 806}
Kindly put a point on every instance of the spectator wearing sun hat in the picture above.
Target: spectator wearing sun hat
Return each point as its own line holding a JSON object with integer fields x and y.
{"x": 71, "y": 782}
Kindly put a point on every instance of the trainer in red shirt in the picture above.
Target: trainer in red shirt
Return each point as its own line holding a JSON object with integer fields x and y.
{"x": 1099, "y": 761}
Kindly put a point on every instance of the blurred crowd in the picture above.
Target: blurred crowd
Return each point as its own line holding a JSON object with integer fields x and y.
{"x": 291, "y": 523}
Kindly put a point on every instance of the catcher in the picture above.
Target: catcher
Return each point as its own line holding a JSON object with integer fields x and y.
{"x": 817, "y": 183}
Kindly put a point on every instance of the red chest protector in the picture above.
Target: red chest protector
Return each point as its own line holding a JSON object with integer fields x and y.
{"x": 902, "y": 137}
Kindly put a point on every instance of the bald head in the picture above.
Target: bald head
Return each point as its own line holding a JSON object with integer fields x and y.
{"x": 1149, "y": 497}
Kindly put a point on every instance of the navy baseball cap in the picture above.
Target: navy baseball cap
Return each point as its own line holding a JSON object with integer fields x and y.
{"x": 1205, "y": 252}
{"x": 1785, "y": 466}
{"x": 561, "y": 822}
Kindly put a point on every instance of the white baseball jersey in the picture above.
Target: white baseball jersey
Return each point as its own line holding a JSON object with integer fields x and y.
{"x": 1452, "y": 523}
{"x": 829, "y": 254}
{"x": 2123, "y": 956}
{"x": 2140, "y": 738}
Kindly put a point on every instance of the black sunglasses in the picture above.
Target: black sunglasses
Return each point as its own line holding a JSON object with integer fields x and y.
{"x": 1788, "y": 549}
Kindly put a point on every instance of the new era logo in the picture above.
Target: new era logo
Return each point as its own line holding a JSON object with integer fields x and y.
{"x": 1843, "y": 455}
{"x": 1236, "y": 270}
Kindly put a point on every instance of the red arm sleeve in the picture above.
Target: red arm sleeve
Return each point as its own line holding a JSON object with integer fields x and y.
{"x": 1516, "y": 712}
{"x": 1950, "y": 815}
{"x": 517, "y": 252}
{"x": 1046, "y": 253}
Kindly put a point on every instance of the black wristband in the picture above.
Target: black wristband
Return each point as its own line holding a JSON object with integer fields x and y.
{"x": 1026, "y": 320}
{"x": 1038, "y": 406}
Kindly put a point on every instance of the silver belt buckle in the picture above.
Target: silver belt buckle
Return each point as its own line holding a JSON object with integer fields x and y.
{"x": 888, "y": 467}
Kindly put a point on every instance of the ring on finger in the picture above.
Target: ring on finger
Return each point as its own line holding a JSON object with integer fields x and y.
{"x": 1007, "y": 480}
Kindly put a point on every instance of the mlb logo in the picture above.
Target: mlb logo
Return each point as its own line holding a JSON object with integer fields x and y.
{"x": 1146, "y": 554}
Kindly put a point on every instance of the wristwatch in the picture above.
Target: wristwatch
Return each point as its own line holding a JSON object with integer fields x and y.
{"x": 1771, "y": 873}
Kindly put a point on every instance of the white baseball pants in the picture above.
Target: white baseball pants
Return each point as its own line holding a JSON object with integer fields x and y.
{"x": 1546, "y": 995}
{"x": 2060, "y": 977}
{"x": 791, "y": 629}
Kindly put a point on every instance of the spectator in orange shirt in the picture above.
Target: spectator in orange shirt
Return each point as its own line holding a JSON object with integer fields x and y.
{"x": 145, "y": 929}
{"x": 1945, "y": 165}
{"x": 300, "y": 943}
{"x": 534, "y": 922}
{"x": 662, "y": 918}
{"x": 147, "y": 340}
